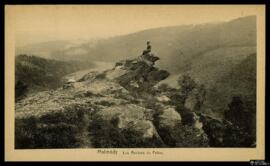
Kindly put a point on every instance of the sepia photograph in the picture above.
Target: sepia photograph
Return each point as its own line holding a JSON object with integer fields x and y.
{"x": 112, "y": 77}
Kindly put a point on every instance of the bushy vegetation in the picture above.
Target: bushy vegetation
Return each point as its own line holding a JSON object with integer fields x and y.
{"x": 222, "y": 133}
{"x": 236, "y": 129}
{"x": 242, "y": 113}
{"x": 238, "y": 137}
{"x": 20, "y": 89}
{"x": 29, "y": 133}
{"x": 105, "y": 103}
{"x": 55, "y": 130}
{"x": 101, "y": 76}
{"x": 183, "y": 136}
{"x": 187, "y": 84}
{"x": 187, "y": 87}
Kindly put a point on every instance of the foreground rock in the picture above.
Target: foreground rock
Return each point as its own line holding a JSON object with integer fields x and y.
{"x": 125, "y": 126}
{"x": 169, "y": 118}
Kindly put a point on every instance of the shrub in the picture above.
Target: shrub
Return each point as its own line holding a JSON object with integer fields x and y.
{"x": 237, "y": 137}
{"x": 200, "y": 96}
{"x": 101, "y": 76}
{"x": 187, "y": 84}
{"x": 54, "y": 130}
{"x": 225, "y": 134}
{"x": 21, "y": 89}
{"x": 183, "y": 136}
{"x": 105, "y": 103}
{"x": 188, "y": 136}
{"x": 186, "y": 115}
{"x": 242, "y": 113}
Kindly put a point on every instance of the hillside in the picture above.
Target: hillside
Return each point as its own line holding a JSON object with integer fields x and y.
{"x": 240, "y": 80}
{"x": 120, "y": 108}
{"x": 35, "y": 74}
{"x": 176, "y": 46}
{"x": 205, "y": 51}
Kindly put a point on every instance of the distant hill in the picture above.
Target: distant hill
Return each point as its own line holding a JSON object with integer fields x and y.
{"x": 34, "y": 73}
{"x": 43, "y": 50}
{"x": 179, "y": 45}
{"x": 186, "y": 48}
{"x": 59, "y": 49}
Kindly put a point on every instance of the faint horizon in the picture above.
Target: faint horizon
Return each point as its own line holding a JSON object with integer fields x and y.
{"x": 37, "y": 24}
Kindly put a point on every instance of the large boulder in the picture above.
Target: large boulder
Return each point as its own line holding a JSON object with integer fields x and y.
{"x": 197, "y": 122}
{"x": 138, "y": 72}
{"x": 163, "y": 98}
{"x": 169, "y": 118}
{"x": 145, "y": 128}
{"x": 128, "y": 123}
{"x": 129, "y": 116}
{"x": 190, "y": 102}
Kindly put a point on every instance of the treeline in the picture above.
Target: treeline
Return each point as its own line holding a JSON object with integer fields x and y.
{"x": 34, "y": 73}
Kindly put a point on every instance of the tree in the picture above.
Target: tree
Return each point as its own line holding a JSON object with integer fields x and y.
{"x": 200, "y": 96}
{"x": 241, "y": 113}
{"x": 236, "y": 111}
{"x": 187, "y": 84}
{"x": 20, "y": 89}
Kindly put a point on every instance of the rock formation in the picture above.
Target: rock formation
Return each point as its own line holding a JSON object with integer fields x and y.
{"x": 115, "y": 108}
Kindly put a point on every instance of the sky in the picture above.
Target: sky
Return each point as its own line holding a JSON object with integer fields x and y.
{"x": 41, "y": 23}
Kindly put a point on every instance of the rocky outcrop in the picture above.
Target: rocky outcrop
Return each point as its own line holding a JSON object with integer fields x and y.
{"x": 98, "y": 111}
{"x": 138, "y": 74}
{"x": 121, "y": 107}
{"x": 103, "y": 109}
